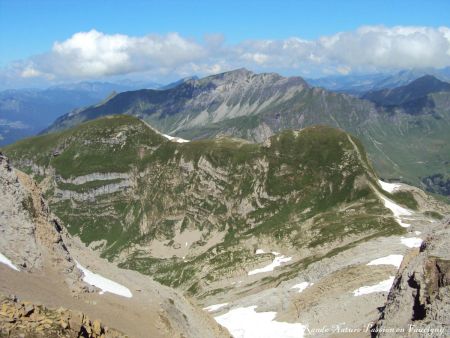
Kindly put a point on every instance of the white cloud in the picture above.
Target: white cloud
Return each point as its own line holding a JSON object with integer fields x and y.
{"x": 396, "y": 47}
{"x": 94, "y": 54}
{"x": 29, "y": 71}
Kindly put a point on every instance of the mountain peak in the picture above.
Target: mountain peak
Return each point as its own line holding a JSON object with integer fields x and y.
{"x": 236, "y": 74}
{"x": 429, "y": 82}
{"x": 415, "y": 90}
{"x": 242, "y": 71}
{"x": 179, "y": 82}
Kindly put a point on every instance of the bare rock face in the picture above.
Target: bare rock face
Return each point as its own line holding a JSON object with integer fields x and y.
{"x": 17, "y": 240}
{"x": 419, "y": 301}
{"x": 31, "y": 236}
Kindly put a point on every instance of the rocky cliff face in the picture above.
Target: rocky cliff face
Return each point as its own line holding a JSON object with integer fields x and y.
{"x": 40, "y": 262}
{"x": 418, "y": 303}
{"x": 31, "y": 234}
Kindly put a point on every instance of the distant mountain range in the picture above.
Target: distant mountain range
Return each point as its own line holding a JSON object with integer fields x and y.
{"x": 25, "y": 112}
{"x": 410, "y": 142}
{"x": 404, "y": 129}
{"x": 411, "y": 96}
{"x": 360, "y": 84}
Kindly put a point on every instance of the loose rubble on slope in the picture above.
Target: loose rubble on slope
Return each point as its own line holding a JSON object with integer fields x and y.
{"x": 341, "y": 296}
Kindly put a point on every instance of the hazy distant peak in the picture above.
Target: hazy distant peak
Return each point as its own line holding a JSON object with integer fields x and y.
{"x": 431, "y": 82}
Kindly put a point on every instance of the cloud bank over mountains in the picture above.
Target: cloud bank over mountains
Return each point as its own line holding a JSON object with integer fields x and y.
{"x": 94, "y": 55}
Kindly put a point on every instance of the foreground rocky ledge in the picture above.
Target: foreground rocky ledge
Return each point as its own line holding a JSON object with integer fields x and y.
{"x": 25, "y": 319}
{"x": 418, "y": 303}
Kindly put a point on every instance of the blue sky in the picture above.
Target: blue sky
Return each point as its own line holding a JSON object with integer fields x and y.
{"x": 28, "y": 28}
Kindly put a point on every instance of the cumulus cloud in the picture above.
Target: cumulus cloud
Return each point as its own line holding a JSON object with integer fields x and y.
{"x": 397, "y": 47}
{"x": 93, "y": 54}
{"x": 29, "y": 71}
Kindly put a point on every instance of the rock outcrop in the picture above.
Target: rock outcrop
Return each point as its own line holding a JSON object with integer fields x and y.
{"x": 31, "y": 235}
{"x": 25, "y": 319}
{"x": 419, "y": 301}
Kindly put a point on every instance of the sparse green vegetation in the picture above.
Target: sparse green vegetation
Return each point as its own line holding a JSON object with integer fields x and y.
{"x": 405, "y": 198}
{"x": 308, "y": 189}
{"x": 434, "y": 214}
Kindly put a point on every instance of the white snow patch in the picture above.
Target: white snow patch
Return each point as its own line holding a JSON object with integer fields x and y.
{"x": 394, "y": 260}
{"x": 175, "y": 139}
{"x": 301, "y": 286}
{"x": 260, "y": 251}
{"x": 186, "y": 244}
{"x": 105, "y": 284}
{"x": 382, "y": 286}
{"x": 6, "y": 261}
{"x": 215, "y": 307}
{"x": 417, "y": 233}
{"x": 411, "y": 242}
{"x": 278, "y": 260}
{"x": 245, "y": 322}
{"x": 397, "y": 210}
{"x": 389, "y": 187}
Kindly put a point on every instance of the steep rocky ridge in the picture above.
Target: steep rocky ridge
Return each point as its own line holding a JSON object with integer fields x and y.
{"x": 196, "y": 102}
{"x": 44, "y": 270}
{"x": 402, "y": 144}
